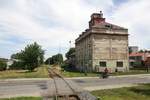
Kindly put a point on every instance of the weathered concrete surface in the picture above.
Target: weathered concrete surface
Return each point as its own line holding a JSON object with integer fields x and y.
{"x": 44, "y": 88}
{"x": 21, "y": 88}
{"x": 112, "y": 82}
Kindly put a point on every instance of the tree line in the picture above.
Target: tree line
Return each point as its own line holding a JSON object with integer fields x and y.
{"x": 55, "y": 59}
{"x": 32, "y": 56}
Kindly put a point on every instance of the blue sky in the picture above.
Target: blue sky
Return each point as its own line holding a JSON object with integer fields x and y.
{"x": 53, "y": 23}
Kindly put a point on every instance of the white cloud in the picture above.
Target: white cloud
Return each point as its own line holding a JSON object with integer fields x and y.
{"x": 53, "y": 23}
{"x": 48, "y": 22}
{"x": 134, "y": 15}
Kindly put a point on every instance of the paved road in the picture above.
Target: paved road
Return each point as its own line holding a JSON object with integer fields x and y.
{"x": 40, "y": 87}
{"x": 113, "y": 82}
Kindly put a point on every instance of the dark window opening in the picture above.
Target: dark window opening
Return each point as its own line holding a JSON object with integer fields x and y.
{"x": 119, "y": 64}
{"x": 102, "y": 64}
{"x": 109, "y": 26}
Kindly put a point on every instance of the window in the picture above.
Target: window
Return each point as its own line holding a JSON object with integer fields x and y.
{"x": 102, "y": 64}
{"x": 138, "y": 57}
{"x": 119, "y": 64}
{"x": 109, "y": 26}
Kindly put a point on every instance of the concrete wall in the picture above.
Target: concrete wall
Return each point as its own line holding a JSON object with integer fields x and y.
{"x": 110, "y": 48}
{"x": 97, "y": 47}
{"x": 111, "y": 65}
{"x": 84, "y": 53}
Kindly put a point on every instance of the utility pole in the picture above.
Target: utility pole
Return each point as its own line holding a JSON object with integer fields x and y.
{"x": 70, "y": 43}
{"x": 59, "y": 48}
{"x": 59, "y": 54}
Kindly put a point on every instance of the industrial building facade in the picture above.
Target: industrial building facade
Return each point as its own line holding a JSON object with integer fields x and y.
{"x": 103, "y": 45}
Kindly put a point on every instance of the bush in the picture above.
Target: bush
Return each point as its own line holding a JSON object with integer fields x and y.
{"x": 68, "y": 67}
{"x": 3, "y": 65}
{"x": 31, "y": 57}
{"x": 55, "y": 59}
{"x": 17, "y": 65}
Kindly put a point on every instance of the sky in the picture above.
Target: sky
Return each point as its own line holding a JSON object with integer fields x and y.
{"x": 53, "y": 23}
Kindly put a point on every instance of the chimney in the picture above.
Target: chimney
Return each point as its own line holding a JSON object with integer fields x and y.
{"x": 96, "y": 18}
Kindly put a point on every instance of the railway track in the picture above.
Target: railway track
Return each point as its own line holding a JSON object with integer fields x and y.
{"x": 67, "y": 90}
{"x": 63, "y": 89}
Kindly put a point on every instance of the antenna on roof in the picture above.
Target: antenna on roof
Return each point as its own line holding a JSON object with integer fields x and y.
{"x": 101, "y": 14}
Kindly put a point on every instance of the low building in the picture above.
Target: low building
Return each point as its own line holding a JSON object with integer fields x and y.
{"x": 137, "y": 59}
{"x": 102, "y": 45}
{"x": 147, "y": 63}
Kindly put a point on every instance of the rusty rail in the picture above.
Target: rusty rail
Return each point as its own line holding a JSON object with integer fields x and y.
{"x": 53, "y": 74}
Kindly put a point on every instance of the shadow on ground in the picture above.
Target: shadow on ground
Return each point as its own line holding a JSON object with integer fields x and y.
{"x": 143, "y": 91}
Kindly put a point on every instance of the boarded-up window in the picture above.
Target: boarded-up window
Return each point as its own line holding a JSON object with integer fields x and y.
{"x": 102, "y": 64}
{"x": 119, "y": 64}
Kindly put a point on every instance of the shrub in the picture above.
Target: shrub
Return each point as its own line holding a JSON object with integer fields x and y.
{"x": 3, "y": 65}
{"x": 31, "y": 57}
{"x": 17, "y": 65}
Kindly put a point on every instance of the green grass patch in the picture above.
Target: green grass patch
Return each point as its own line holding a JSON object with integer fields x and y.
{"x": 95, "y": 74}
{"x": 23, "y": 98}
{"x": 40, "y": 72}
{"x": 141, "y": 92}
{"x": 78, "y": 74}
{"x": 131, "y": 72}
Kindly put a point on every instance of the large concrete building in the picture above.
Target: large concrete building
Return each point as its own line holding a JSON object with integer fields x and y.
{"x": 102, "y": 45}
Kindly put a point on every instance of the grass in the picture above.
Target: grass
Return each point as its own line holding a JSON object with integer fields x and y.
{"x": 78, "y": 74}
{"x": 141, "y": 92}
{"x": 94, "y": 74}
{"x": 40, "y": 72}
{"x": 131, "y": 72}
{"x": 23, "y": 98}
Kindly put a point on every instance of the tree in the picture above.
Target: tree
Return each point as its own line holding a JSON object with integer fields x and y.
{"x": 17, "y": 65}
{"x": 70, "y": 62}
{"x": 141, "y": 51}
{"x": 49, "y": 61}
{"x": 130, "y": 50}
{"x": 3, "y": 65}
{"x": 59, "y": 58}
{"x": 55, "y": 59}
{"x": 32, "y": 56}
{"x": 144, "y": 51}
{"x": 16, "y": 56}
{"x": 70, "y": 53}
